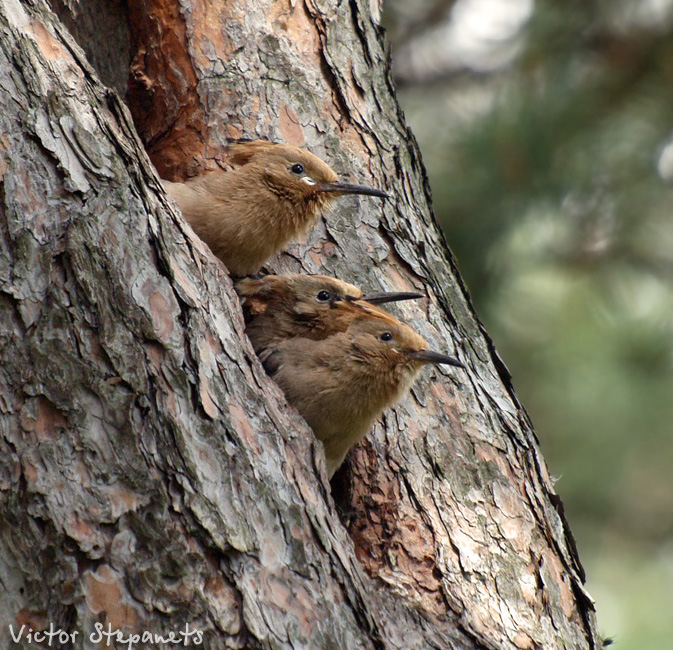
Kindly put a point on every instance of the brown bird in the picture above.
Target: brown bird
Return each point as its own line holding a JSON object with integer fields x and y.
{"x": 249, "y": 214}
{"x": 279, "y": 307}
{"x": 342, "y": 383}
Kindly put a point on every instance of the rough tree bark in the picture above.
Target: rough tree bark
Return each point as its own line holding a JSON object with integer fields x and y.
{"x": 151, "y": 475}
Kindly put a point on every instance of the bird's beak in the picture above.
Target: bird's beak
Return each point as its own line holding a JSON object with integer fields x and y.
{"x": 349, "y": 188}
{"x": 428, "y": 356}
{"x": 390, "y": 296}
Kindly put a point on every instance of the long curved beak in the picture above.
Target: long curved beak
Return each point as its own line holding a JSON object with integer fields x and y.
{"x": 428, "y": 356}
{"x": 390, "y": 296}
{"x": 349, "y": 188}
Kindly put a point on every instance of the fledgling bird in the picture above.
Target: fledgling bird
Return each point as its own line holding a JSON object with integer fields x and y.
{"x": 342, "y": 383}
{"x": 279, "y": 307}
{"x": 249, "y": 214}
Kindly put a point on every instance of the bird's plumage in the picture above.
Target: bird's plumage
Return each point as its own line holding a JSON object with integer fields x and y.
{"x": 342, "y": 383}
{"x": 250, "y": 213}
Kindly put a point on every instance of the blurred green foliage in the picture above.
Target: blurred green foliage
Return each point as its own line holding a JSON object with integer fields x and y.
{"x": 549, "y": 181}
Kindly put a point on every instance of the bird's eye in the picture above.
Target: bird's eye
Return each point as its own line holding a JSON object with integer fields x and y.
{"x": 323, "y": 296}
{"x": 386, "y": 336}
{"x": 297, "y": 169}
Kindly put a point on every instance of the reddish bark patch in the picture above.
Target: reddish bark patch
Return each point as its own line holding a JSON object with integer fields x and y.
{"x": 242, "y": 424}
{"x": 30, "y": 472}
{"x": 49, "y": 46}
{"x": 225, "y": 603}
{"x": 155, "y": 353}
{"x": 390, "y": 539}
{"x": 41, "y": 417}
{"x": 162, "y": 315}
{"x": 290, "y": 127}
{"x": 163, "y": 93}
{"x": 523, "y": 641}
{"x": 208, "y": 405}
{"x": 35, "y": 620}
{"x": 104, "y": 595}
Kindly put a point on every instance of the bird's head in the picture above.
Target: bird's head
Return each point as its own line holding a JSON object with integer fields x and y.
{"x": 330, "y": 293}
{"x": 315, "y": 301}
{"x": 390, "y": 349}
{"x": 296, "y": 288}
{"x": 292, "y": 173}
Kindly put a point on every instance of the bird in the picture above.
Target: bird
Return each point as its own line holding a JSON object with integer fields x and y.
{"x": 342, "y": 383}
{"x": 272, "y": 196}
{"x": 278, "y": 307}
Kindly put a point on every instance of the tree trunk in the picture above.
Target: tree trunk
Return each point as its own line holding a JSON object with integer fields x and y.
{"x": 152, "y": 476}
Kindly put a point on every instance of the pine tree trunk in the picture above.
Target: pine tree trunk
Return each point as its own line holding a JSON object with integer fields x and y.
{"x": 153, "y": 478}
